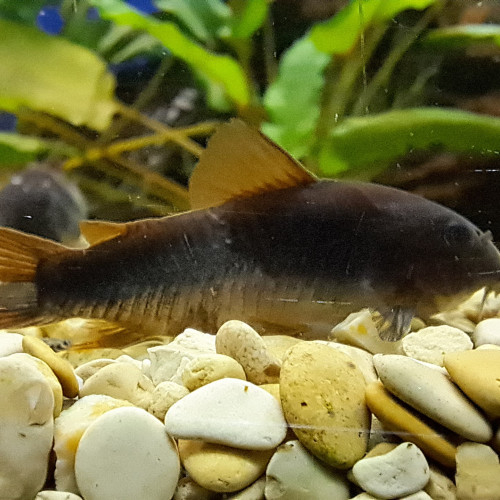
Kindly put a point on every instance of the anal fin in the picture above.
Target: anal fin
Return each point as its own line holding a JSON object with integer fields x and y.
{"x": 393, "y": 323}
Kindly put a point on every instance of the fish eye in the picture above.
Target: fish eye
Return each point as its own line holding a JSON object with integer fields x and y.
{"x": 457, "y": 235}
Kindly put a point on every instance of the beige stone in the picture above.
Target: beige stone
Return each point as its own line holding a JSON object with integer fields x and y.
{"x": 221, "y": 468}
{"x": 478, "y": 472}
{"x": 432, "y": 343}
{"x": 253, "y": 492}
{"x": 86, "y": 370}
{"x": 61, "y": 368}
{"x": 396, "y": 417}
{"x": 121, "y": 381}
{"x": 322, "y": 395}
{"x": 57, "y": 495}
{"x": 477, "y": 373}
{"x": 241, "y": 342}
{"x": 440, "y": 486}
{"x": 208, "y": 368}
{"x": 432, "y": 393}
{"x": 487, "y": 332}
{"x": 187, "y": 489}
{"x": 164, "y": 396}
{"x": 277, "y": 345}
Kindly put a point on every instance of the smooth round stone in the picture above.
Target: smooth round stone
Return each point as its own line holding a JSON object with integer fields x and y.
{"x": 294, "y": 474}
{"x": 399, "y": 472}
{"x": 10, "y": 343}
{"x": 220, "y": 468}
{"x": 396, "y": 417}
{"x": 126, "y": 454}
{"x": 231, "y": 412}
{"x": 209, "y": 368}
{"x": 121, "y": 381}
{"x": 57, "y": 495}
{"x": 164, "y": 396}
{"x": 241, "y": 342}
{"x": 277, "y": 345}
{"x": 26, "y": 426}
{"x": 323, "y": 398}
{"x": 478, "y": 472}
{"x": 86, "y": 370}
{"x": 487, "y": 332}
{"x": 477, "y": 373}
{"x": 68, "y": 430}
{"x": 61, "y": 368}
{"x": 433, "y": 394}
{"x": 54, "y": 385}
{"x": 432, "y": 343}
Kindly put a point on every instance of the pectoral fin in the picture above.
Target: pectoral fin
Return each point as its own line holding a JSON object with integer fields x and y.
{"x": 394, "y": 323}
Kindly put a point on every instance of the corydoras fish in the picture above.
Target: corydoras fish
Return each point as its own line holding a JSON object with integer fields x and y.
{"x": 266, "y": 243}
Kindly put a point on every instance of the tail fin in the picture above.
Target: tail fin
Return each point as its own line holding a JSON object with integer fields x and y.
{"x": 20, "y": 255}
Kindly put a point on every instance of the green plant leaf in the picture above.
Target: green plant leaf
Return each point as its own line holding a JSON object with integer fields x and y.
{"x": 457, "y": 37}
{"x": 248, "y": 18}
{"x": 340, "y": 33}
{"x": 18, "y": 149}
{"x": 367, "y": 144}
{"x": 222, "y": 69}
{"x": 293, "y": 100}
{"x": 50, "y": 74}
{"x": 205, "y": 20}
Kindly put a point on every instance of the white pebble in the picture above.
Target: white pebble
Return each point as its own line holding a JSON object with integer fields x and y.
{"x": 121, "y": 381}
{"x": 487, "y": 332}
{"x": 432, "y": 343}
{"x": 168, "y": 361}
{"x": 57, "y": 495}
{"x": 230, "y": 412}
{"x": 69, "y": 428}
{"x": 126, "y": 454}
{"x": 399, "y": 472}
{"x": 294, "y": 474}
{"x": 26, "y": 426}
{"x": 10, "y": 343}
{"x": 431, "y": 392}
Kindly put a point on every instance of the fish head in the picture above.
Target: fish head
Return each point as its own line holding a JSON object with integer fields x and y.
{"x": 448, "y": 257}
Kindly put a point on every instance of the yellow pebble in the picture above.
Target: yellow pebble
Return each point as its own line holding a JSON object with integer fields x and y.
{"x": 61, "y": 368}
{"x": 477, "y": 373}
{"x": 397, "y": 418}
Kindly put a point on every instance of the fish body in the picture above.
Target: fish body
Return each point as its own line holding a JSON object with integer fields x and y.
{"x": 287, "y": 254}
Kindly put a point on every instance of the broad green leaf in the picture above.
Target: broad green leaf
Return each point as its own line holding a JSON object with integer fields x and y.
{"x": 205, "y": 20}
{"x": 370, "y": 142}
{"x": 249, "y": 18}
{"x": 222, "y": 69}
{"x": 18, "y": 149}
{"x": 50, "y": 74}
{"x": 464, "y": 36}
{"x": 293, "y": 100}
{"x": 339, "y": 34}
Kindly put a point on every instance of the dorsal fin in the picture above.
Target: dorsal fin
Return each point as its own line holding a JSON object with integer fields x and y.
{"x": 238, "y": 162}
{"x": 99, "y": 231}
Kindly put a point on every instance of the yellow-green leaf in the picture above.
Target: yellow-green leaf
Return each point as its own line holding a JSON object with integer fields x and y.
{"x": 50, "y": 74}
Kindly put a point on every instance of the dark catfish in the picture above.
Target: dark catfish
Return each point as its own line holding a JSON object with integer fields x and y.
{"x": 266, "y": 243}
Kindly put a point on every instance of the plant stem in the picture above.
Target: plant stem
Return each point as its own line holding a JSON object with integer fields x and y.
{"x": 383, "y": 75}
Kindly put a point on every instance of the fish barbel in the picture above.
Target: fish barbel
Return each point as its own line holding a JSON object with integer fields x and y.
{"x": 266, "y": 243}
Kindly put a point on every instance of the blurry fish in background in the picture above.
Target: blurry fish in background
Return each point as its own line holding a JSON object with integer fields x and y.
{"x": 42, "y": 201}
